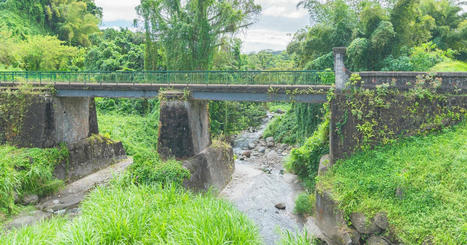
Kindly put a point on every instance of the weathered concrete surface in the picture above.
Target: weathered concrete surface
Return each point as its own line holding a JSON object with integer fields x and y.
{"x": 88, "y": 156}
{"x": 213, "y": 167}
{"x": 45, "y": 121}
{"x": 183, "y": 128}
{"x": 358, "y": 120}
{"x": 71, "y": 119}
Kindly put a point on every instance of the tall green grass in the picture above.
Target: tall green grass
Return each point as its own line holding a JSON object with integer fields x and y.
{"x": 431, "y": 174}
{"x": 144, "y": 215}
{"x": 27, "y": 171}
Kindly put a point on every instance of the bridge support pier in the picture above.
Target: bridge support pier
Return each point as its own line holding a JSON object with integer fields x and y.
{"x": 184, "y": 126}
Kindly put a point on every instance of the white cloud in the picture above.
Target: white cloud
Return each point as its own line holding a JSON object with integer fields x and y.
{"x": 118, "y": 9}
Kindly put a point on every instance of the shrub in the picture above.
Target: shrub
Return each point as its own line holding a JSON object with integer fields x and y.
{"x": 304, "y": 161}
{"x": 27, "y": 171}
{"x": 304, "y": 204}
{"x": 147, "y": 170}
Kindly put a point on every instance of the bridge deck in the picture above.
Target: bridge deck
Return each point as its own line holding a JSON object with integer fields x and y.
{"x": 217, "y": 92}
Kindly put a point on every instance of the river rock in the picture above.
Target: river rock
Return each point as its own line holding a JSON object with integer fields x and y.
{"x": 280, "y": 206}
{"x": 251, "y": 146}
{"x": 272, "y": 155}
{"x": 270, "y": 141}
{"x": 27, "y": 219}
{"x": 363, "y": 224}
{"x": 377, "y": 240}
{"x": 381, "y": 220}
{"x": 261, "y": 149}
{"x": 279, "y": 111}
{"x": 247, "y": 154}
{"x": 31, "y": 199}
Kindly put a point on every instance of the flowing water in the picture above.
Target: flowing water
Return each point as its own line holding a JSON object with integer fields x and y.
{"x": 260, "y": 183}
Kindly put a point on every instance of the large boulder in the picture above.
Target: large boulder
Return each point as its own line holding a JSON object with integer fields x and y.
{"x": 213, "y": 167}
{"x": 363, "y": 224}
{"x": 331, "y": 222}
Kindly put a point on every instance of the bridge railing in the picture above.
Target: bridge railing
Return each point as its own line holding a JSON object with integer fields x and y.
{"x": 176, "y": 77}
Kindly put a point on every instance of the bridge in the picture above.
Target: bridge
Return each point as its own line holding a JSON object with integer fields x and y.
{"x": 70, "y": 115}
{"x": 256, "y": 86}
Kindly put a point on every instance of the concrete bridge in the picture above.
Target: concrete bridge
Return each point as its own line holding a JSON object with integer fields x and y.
{"x": 184, "y": 121}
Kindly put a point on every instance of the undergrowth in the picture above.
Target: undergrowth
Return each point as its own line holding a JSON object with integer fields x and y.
{"x": 429, "y": 173}
{"x": 144, "y": 215}
{"x": 27, "y": 171}
{"x": 295, "y": 126}
{"x": 304, "y": 161}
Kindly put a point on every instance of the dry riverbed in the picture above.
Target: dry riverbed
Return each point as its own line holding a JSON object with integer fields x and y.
{"x": 261, "y": 188}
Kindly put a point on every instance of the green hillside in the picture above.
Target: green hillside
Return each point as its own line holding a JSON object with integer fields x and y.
{"x": 429, "y": 174}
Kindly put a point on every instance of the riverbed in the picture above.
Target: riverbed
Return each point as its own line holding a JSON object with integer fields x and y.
{"x": 260, "y": 186}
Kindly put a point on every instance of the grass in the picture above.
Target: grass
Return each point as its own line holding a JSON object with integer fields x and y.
{"x": 27, "y": 171}
{"x": 431, "y": 171}
{"x": 144, "y": 215}
{"x": 451, "y": 66}
{"x": 137, "y": 133}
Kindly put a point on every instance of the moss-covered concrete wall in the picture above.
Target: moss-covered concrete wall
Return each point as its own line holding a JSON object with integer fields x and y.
{"x": 35, "y": 118}
{"x": 376, "y": 111}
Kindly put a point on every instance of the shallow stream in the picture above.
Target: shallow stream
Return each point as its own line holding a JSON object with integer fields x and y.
{"x": 260, "y": 183}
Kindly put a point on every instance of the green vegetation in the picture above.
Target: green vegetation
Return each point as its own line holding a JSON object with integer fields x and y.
{"x": 377, "y": 33}
{"x": 296, "y": 125}
{"x": 303, "y": 238}
{"x": 228, "y": 118}
{"x": 450, "y": 66}
{"x": 304, "y": 204}
{"x": 146, "y": 215}
{"x": 27, "y": 171}
{"x": 304, "y": 161}
{"x": 429, "y": 174}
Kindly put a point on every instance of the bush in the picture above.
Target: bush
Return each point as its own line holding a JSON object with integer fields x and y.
{"x": 27, "y": 171}
{"x": 144, "y": 215}
{"x": 304, "y": 204}
{"x": 304, "y": 161}
{"x": 147, "y": 170}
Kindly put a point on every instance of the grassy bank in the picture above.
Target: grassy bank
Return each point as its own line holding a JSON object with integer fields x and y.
{"x": 429, "y": 173}
{"x": 27, "y": 171}
{"x": 144, "y": 215}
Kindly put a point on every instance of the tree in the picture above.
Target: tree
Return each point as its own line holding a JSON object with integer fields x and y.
{"x": 116, "y": 50}
{"x": 47, "y": 53}
{"x": 190, "y": 31}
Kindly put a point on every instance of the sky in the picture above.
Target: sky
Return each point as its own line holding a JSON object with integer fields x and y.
{"x": 278, "y": 21}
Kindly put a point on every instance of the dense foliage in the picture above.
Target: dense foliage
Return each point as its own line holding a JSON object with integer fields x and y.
{"x": 304, "y": 161}
{"x": 114, "y": 50}
{"x": 27, "y": 171}
{"x": 188, "y": 32}
{"x": 375, "y": 31}
{"x": 429, "y": 174}
{"x": 72, "y": 20}
{"x": 295, "y": 126}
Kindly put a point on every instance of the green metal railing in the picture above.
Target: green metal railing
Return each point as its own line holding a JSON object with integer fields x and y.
{"x": 176, "y": 77}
